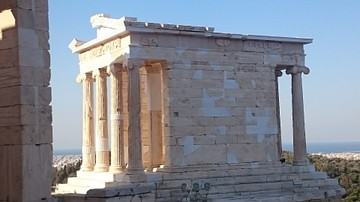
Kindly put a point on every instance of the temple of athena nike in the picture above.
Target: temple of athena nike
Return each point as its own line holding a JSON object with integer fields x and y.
{"x": 170, "y": 113}
{"x": 191, "y": 111}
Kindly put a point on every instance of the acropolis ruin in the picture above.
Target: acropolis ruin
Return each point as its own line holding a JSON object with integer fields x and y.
{"x": 170, "y": 113}
{"x": 191, "y": 105}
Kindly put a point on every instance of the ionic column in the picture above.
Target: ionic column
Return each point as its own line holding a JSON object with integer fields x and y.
{"x": 102, "y": 139}
{"x": 135, "y": 165}
{"x": 299, "y": 140}
{"x": 88, "y": 152}
{"x": 278, "y": 74}
{"x": 117, "y": 138}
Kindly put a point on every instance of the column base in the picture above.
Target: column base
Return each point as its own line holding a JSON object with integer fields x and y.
{"x": 138, "y": 178}
{"x": 101, "y": 168}
{"x": 102, "y": 161}
{"x": 301, "y": 163}
{"x": 87, "y": 168}
{"x": 135, "y": 175}
{"x": 135, "y": 171}
{"x": 116, "y": 169}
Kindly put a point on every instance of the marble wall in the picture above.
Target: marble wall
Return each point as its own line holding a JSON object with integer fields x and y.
{"x": 25, "y": 111}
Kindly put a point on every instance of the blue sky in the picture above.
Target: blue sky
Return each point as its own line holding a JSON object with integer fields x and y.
{"x": 331, "y": 90}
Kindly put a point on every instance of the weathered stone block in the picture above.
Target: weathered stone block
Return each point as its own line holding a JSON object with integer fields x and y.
{"x": 28, "y": 172}
{"x": 7, "y": 58}
{"x": 227, "y": 121}
{"x": 9, "y": 77}
{"x": 168, "y": 54}
{"x": 179, "y": 82}
{"x": 226, "y": 139}
{"x": 250, "y": 179}
{"x": 9, "y": 38}
{"x": 23, "y": 4}
{"x": 43, "y": 113}
{"x": 10, "y": 115}
{"x": 235, "y": 130}
{"x": 12, "y": 97}
{"x": 249, "y": 57}
{"x": 226, "y": 102}
{"x": 247, "y": 139}
{"x": 181, "y": 121}
{"x": 25, "y": 18}
{"x": 292, "y": 48}
{"x": 25, "y": 95}
{"x": 28, "y": 38}
{"x": 243, "y": 152}
{"x": 43, "y": 39}
{"x": 42, "y": 6}
{"x": 203, "y": 121}
{"x": 191, "y": 92}
{"x": 123, "y": 190}
{"x": 272, "y": 59}
{"x": 41, "y": 21}
{"x": 262, "y": 46}
{"x": 38, "y": 58}
{"x": 204, "y": 140}
{"x": 44, "y": 96}
{"x": 219, "y": 75}
{"x": 4, "y": 175}
{"x": 25, "y": 134}
{"x": 37, "y": 171}
{"x": 207, "y": 83}
{"x": 205, "y": 154}
{"x": 174, "y": 156}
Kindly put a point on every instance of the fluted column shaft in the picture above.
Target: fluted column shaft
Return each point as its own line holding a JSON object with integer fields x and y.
{"x": 134, "y": 151}
{"x": 117, "y": 138}
{"x": 278, "y": 74}
{"x": 88, "y": 152}
{"x": 102, "y": 139}
{"x": 299, "y": 140}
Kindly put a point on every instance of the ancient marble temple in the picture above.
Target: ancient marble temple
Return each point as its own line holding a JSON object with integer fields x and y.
{"x": 166, "y": 105}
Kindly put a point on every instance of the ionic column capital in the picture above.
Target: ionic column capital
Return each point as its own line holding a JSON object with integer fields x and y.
{"x": 297, "y": 69}
{"x": 82, "y": 77}
{"x": 130, "y": 64}
{"x": 114, "y": 68}
{"x": 278, "y": 73}
{"x": 100, "y": 73}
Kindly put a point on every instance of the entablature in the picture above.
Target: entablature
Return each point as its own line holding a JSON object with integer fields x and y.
{"x": 119, "y": 28}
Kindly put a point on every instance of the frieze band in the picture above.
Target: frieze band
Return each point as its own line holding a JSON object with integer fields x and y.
{"x": 101, "y": 50}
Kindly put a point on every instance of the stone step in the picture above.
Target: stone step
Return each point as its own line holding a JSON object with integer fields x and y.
{"x": 118, "y": 177}
{"x": 222, "y": 189}
{"x": 227, "y": 166}
{"x": 234, "y": 171}
{"x": 67, "y": 188}
{"x": 249, "y": 184}
{"x": 101, "y": 176}
{"x": 219, "y": 180}
{"x": 93, "y": 183}
{"x": 320, "y": 183}
{"x": 260, "y": 196}
{"x": 310, "y": 189}
{"x": 93, "y": 180}
{"x": 268, "y": 196}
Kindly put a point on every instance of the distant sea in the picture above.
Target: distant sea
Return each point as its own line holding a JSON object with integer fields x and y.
{"x": 326, "y": 148}
{"x": 311, "y": 148}
{"x": 67, "y": 151}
